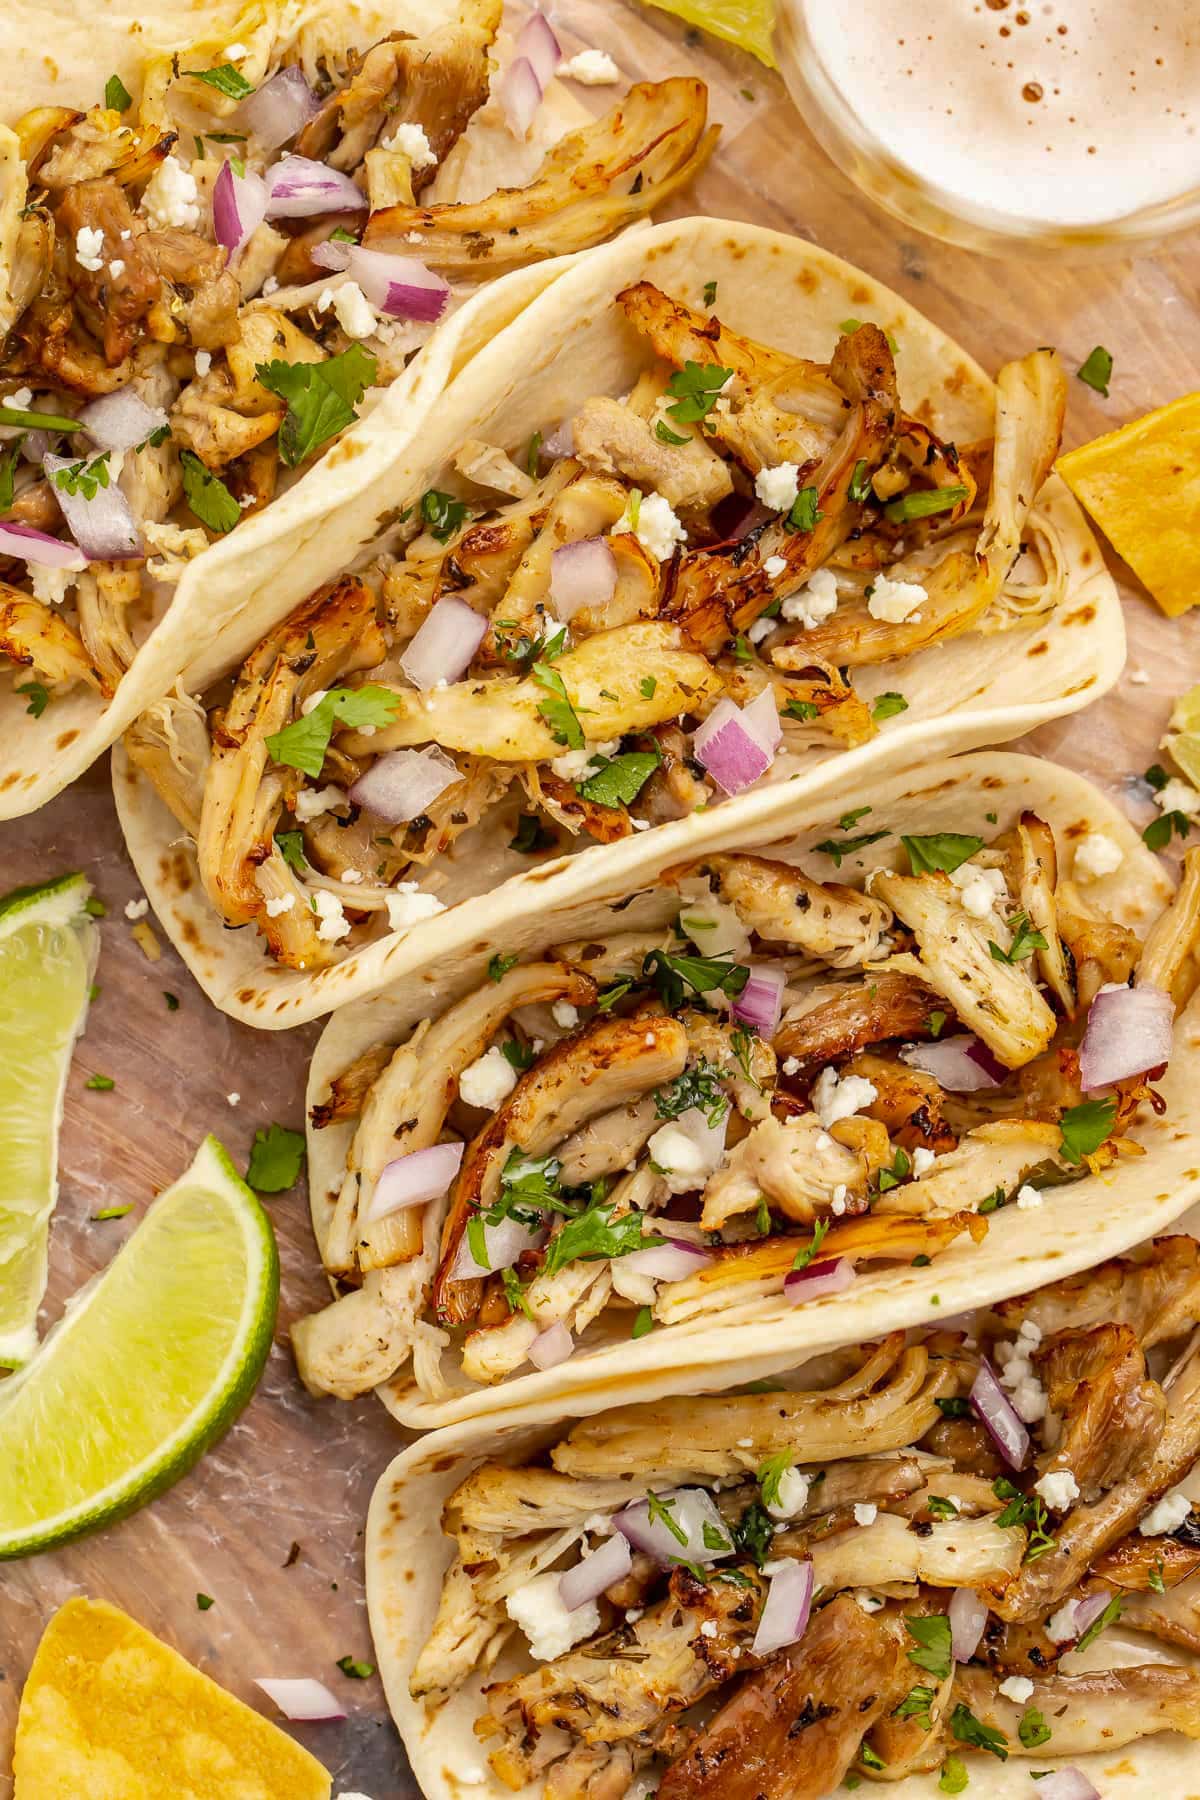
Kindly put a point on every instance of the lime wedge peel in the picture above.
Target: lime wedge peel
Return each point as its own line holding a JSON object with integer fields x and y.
{"x": 48, "y": 950}
{"x": 1182, "y": 742}
{"x": 150, "y": 1364}
{"x": 750, "y": 24}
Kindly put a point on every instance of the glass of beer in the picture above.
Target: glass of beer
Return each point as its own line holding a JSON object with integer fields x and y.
{"x": 1059, "y": 125}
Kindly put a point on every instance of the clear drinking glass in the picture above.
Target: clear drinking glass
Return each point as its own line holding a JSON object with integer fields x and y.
{"x": 845, "y": 116}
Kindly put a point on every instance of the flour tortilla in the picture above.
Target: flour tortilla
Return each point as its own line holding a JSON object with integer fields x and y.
{"x": 1078, "y": 1225}
{"x": 40, "y": 757}
{"x": 566, "y": 345}
{"x": 407, "y": 1556}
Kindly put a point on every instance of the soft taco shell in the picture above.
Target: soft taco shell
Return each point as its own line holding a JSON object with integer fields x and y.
{"x": 564, "y": 346}
{"x": 1079, "y": 1224}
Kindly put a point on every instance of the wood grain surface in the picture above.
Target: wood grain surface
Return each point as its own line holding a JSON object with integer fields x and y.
{"x": 295, "y": 1473}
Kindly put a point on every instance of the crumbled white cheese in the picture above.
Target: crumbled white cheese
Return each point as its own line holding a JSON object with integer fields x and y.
{"x": 922, "y": 1161}
{"x": 537, "y": 1607}
{"x": 1061, "y": 1626}
{"x": 354, "y": 311}
{"x": 1168, "y": 1515}
{"x": 761, "y": 628}
{"x": 791, "y": 1066}
{"x": 1028, "y": 1197}
{"x": 837, "y": 1097}
{"x": 684, "y": 1165}
{"x": 280, "y": 904}
{"x": 172, "y": 197}
{"x": 894, "y": 601}
{"x": 1025, "y": 1390}
{"x": 407, "y": 906}
{"x": 1058, "y": 1489}
{"x": 1140, "y": 677}
{"x": 50, "y": 585}
{"x": 136, "y": 909}
{"x": 709, "y": 1628}
{"x": 777, "y": 487}
{"x": 792, "y": 1496}
{"x": 203, "y": 361}
{"x": 978, "y": 889}
{"x": 310, "y": 803}
{"x": 838, "y": 1203}
{"x": 593, "y": 68}
{"x": 334, "y": 924}
{"x": 20, "y": 398}
{"x": 815, "y": 602}
{"x": 657, "y": 530}
{"x": 865, "y": 1512}
{"x": 411, "y": 139}
{"x": 565, "y": 1014}
{"x": 116, "y": 267}
{"x": 271, "y": 285}
{"x": 351, "y": 876}
{"x": 1178, "y": 796}
{"x": 489, "y": 1081}
{"x": 773, "y": 566}
{"x": 576, "y": 765}
{"x": 89, "y": 248}
{"x": 1097, "y": 855}
{"x": 1016, "y": 1687}
{"x": 234, "y": 1099}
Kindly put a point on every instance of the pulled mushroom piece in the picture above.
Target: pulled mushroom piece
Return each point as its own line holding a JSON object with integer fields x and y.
{"x": 1112, "y": 1412}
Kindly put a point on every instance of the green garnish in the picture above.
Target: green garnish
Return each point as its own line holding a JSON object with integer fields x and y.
{"x": 754, "y": 1532}
{"x": 665, "y": 435}
{"x": 1155, "y": 1578}
{"x": 1159, "y": 832}
{"x": 1109, "y": 1616}
{"x": 518, "y": 1056}
{"x": 619, "y": 779}
{"x": 533, "y": 455}
{"x": 1033, "y": 1729}
{"x": 1085, "y": 1127}
{"x": 935, "y": 1023}
{"x": 514, "y": 1293}
{"x": 111, "y": 1212}
{"x": 923, "y": 503}
{"x": 969, "y": 1730}
{"x": 556, "y": 709}
{"x": 442, "y": 513}
{"x": 530, "y": 835}
{"x": 647, "y": 686}
{"x": 695, "y": 388}
{"x": 276, "y": 1159}
{"x": 303, "y": 743}
{"x": 39, "y": 697}
{"x": 801, "y": 709}
{"x": 1025, "y": 941}
{"x": 840, "y": 847}
{"x": 916, "y": 1705}
{"x": 860, "y": 482}
{"x": 954, "y": 1777}
{"x": 804, "y": 513}
{"x": 900, "y": 1169}
{"x": 944, "y": 850}
{"x": 357, "y": 1671}
{"x": 849, "y": 820}
{"x": 805, "y": 1255}
{"x": 597, "y": 1234}
{"x": 940, "y": 1507}
{"x": 321, "y": 398}
{"x": 225, "y": 78}
{"x": 172, "y": 1001}
{"x": 118, "y": 98}
{"x": 498, "y": 966}
{"x": 888, "y": 705}
{"x": 643, "y": 1323}
{"x": 100, "y": 1084}
{"x": 931, "y": 1634}
{"x": 609, "y": 996}
{"x": 703, "y": 974}
{"x": 203, "y": 1601}
{"x": 698, "y": 1087}
{"x": 8, "y": 475}
{"x": 660, "y": 1510}
{"x": 291, "y": 848}
{"x": 35, "y": 421}
{"x": 86, "y": 477}
{"x": 771, "y": 1474}
{"x": 710, "y": 293}
{"x": 206, "y": 494}
{"x": 1096, "y": 369}
{"x": 95, "y": 908}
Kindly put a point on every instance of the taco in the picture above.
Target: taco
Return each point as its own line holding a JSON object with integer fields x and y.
{"x": 688, "y": 528}
{"x": 889, "y": 1061}
{"x": 209, "y": 273}
{"x": 947, "y": 1560}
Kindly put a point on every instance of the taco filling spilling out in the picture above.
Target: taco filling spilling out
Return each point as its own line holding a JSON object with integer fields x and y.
{"x": 685, "y": 1125}
{"x": 201, "y": 287}
{"x": 911, "y": 1557}
{"x": 670, "y": 597}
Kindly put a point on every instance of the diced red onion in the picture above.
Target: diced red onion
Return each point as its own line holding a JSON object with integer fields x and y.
{"x": 968, "y": 1616}
{"x": 962, "y": 1064}
{"x": 520, "y": 95}
{"x": 690, "y": 1510}
{"x": 401, "y": 784}
{"x": 595, "y": 1573}
{"x": 444, "y": 643}
{"x": 279, "y": 109}
{"x": 121, "y": 420}
{"x": 538, "y": 42}
{"x": 732, "y": 752}
{"x": 1066, "y": 1784}
{"x": 505, "y": 1243}
{"x": 34, "y": 444}
{"x": 331, "y": 253}
{"x": 560, "y": 441}
{"x": 760, "y": 1002}
{"x": 1129, "y": 1030}
{"x": 301, "y": 1699}
{"x": 734, "y": 517}
{"x": 1088, "y": 1610}
{"x": 582, "y": 574}
{"x": 412, "y": 1180}
{"x": 784, "y": 1618}
{"x": 39, "y": 547}
{"x": 103, "y": 526}
{"x": 999, "y": 1417}
{"x": 400, "y": 286}
{"x": 831, "y": 1277}
{"x": 298, "y": 188}
{"x": 551, "y": 1347}
{"x": 239, "y": 206}
{"x": 673, "y": 1261}
{"x": 760, "y": 716}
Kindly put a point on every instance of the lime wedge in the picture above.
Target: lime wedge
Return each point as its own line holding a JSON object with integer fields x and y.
{"x": 150, "y": 1364}
{"x": 749, "y": 24}
{"x": 1182, "y": 743}
{"x": 48, "y": 948}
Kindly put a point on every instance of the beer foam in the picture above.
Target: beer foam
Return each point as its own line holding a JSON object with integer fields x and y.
{"x": 1072, "y": 112}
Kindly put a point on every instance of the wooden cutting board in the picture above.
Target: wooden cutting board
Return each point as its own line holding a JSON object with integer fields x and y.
{"x": 270, "y": 1523}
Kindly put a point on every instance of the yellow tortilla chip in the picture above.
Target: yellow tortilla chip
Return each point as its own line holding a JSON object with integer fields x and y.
{"x": 110, "y": 1713}
{"x": 1141, "y": 485}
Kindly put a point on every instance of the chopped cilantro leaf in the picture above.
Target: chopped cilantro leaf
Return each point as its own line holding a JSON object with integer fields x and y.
{"x": 203, "y": 1601}
{"x": 291, "y": 848}
{"x": 498, "y": 966}
{"x": 954, "y": 1777}
{"x": 206, "y": 494}
{"x": 945, "y": 850}
{"x": 888, "y": 705}
{"x": 916, "y": 1705}
{"x": 931, "y": 1635}
{"x": 100, "y": 1084}
{"x": 321, "y": 398}
{"x": 646, "y": 687}
{"x": 840, "y": 847}
{"x": 112, "y": 1212}
{"x": 665, "y": 435}
{"x": 1033, "y": 1729}
{"x": 923, "y": 503}
{"x": 1024, "y": 942}
{"x": 225, "y": 78}
{"x": 1085, "y": 1127}
{"x": 694, "y": 389}
{"x": 116, "y": 95}
{"x": 556, "y": 709}
{"x": 303, "y": 743}
{"x": 643, "y": 1323}
{"x": 940, "y": 1506}
{"x": 804, "y": 513}
{"x": 771, "y": 1474}
{"x": 1096, "y": 369}
{"x": 442, "y": 513}
{"x": 801, "y": 709}
{"x": 1109, "y": 1616}
{"x": 172, "y": 1000}
{"x": 357, "y": 1671}
{"x": 39, "y": 697}
{"x": 518, "y": 1056}
{"x": 596, "y": 1233}
{"x": 1159, "y": 832}
{"x": 806, "y": 1253}
{"x": 703, "y": 974}
{"x": 619, "y": 779}
{"x": 968, "y": 1730}
{"x": 660, "y": 1511}
{"x": 935, "y": 1023}
{"x": 710, "y": 293}
{"x": 276, "y": 1159}
{"x": 514, "y": 1293}
{"x": 698, "y": 1087}
{"x": 754, "y": 1532}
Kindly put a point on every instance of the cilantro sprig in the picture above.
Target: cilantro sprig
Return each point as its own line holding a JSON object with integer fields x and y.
{"x": 942, "y": 850}
{"x": 276, "y": 1159}
{"x": 1085, "y": 1127}
{"x": 557, "y": 709}
{"x": 303, "y": 743}
{"x": 618, "y": 780}
{"x": 695, "y": 389}
{"x": 206, "y": 494}
{"x": 322, "y": 398}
